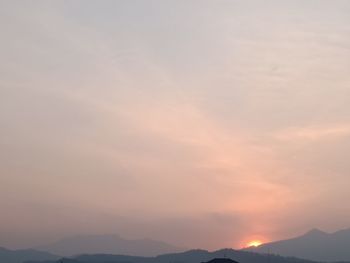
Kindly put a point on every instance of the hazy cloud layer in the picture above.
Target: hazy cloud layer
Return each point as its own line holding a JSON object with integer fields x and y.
{"x": 201, "y": 123}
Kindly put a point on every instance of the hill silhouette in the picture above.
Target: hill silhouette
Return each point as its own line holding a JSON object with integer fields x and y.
{"x": 19, "y": 256}
{"x": 314, "y": 245}
{"x": 221, "y": 260}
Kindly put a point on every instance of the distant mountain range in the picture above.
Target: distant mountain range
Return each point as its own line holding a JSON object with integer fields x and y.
{"x": 192, "y": 256}
{"x": 314, "y": 245}
{"x": 19, "y": 256}
{"x": 109, "y": 244}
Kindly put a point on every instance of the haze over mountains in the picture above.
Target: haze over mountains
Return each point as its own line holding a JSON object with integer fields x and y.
{"x": 109, "y": 244}
{"x": 314, "y": 245}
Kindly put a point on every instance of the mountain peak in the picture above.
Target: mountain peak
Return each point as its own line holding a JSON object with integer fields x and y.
{"x": 314, "y": 245}
{"x": 315, "y": 232}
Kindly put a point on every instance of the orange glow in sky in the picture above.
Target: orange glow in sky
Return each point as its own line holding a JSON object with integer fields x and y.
{"x": 254, "y": 243}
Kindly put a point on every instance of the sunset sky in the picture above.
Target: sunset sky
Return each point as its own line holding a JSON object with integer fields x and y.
{"x": 205, "y": 124}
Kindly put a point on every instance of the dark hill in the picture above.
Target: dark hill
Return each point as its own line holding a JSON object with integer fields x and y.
{"x": 221, "y": 260}
{"x": 19, "y": 256}
{"x": 314, "y": 245}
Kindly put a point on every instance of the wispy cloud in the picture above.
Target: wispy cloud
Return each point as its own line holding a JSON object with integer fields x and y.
{"x": 315, "y": 133}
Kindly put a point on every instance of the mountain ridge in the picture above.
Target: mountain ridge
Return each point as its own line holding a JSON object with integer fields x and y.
{"x": 314, "y": 245}
{"x": 21, "y": 255}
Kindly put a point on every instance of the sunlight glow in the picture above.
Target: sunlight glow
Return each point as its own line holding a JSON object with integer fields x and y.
{"x": 254, "y": 243}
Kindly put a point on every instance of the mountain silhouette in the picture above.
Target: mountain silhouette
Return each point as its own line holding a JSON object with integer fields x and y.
{"x": 109, "y": 244}
{"x": 314, "y": 245}
{"x": 19, "y": 256}
{"x": 192, "y": 256}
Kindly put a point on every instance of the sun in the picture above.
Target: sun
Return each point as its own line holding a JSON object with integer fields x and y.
{"x": 254, "y": 243}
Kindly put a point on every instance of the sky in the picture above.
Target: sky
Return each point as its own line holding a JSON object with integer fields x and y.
{"x": 205, "y": 124}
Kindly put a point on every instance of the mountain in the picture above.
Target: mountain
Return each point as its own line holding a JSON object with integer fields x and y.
{"x": 109, "y": 244}
{"x": 192, "y": 256}
{"x": 314, "y": 245}
{"x": 19, "y": 256}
